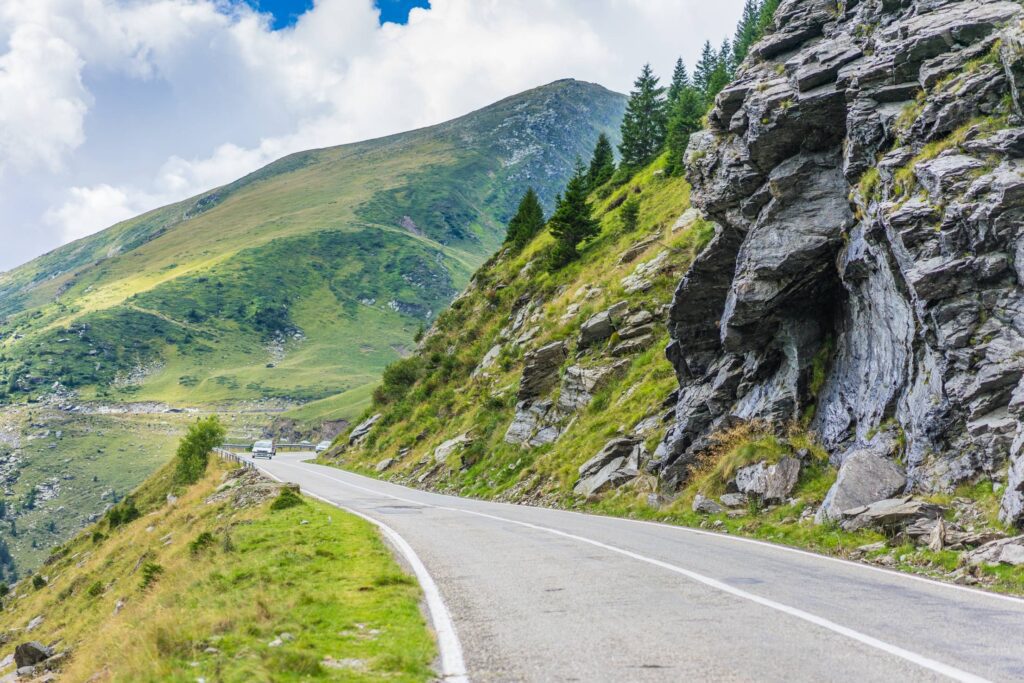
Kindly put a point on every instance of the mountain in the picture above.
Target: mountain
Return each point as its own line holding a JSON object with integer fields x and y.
{"x": 816, "y": 338}
{"x": 301, "y": 280}
{"x": 287, "y": 290}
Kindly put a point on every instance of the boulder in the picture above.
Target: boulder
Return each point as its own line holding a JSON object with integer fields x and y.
{"x": 31, "y": 653}
{"x": 864, "y": 478}
{"x": 890, "y": 514}
{"x": 1004, "y": 551}
{"x": 706, "y": 506}
{"x": 384, "y": 464}
{"x": 596, "y": 329}
{"x": 733, "y": 500}
{"x": 442, "y": 452}
{"x": 540, "y": 369}
{"x": 615, "y": 464}
{"x": 769, "y": 483}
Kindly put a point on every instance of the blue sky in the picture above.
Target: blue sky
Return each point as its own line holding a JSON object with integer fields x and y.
{"x": 109, "y": 109}
{"x": 287, "y": 12}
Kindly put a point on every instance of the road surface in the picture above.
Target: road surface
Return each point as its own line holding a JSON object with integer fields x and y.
{"x": 548, "y": 595}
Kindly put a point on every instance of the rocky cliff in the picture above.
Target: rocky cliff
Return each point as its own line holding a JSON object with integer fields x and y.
{"x": 866, "y": 174}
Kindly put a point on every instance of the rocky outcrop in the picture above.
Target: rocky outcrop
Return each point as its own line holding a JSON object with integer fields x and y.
{"x": 1002, "y": 551}
{"x": 362, "y": 430}
{"x": 865, "y": 172}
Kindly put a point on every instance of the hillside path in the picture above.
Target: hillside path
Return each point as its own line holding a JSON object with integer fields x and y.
{"x": 548, "y": 595}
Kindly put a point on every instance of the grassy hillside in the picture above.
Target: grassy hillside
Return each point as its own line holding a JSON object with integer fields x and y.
{"x": 465, "y": 383}
{"x": 301, "y": 280}
{"x": 220, "y": 585}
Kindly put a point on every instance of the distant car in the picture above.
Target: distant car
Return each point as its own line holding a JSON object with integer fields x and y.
{"x": 323, "y": 446}
{"x": 264, "y": 449}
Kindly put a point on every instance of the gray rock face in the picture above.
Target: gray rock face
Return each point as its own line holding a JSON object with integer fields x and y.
{"x": 864, "y": 478}
{"x": 853, "y": 228}
{"x": 769, "y": 483}
{"x": 614, "y": 465}
{"x": 733, "y": 500}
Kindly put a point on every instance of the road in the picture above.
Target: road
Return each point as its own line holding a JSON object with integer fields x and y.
{"x": 547, "y": 595}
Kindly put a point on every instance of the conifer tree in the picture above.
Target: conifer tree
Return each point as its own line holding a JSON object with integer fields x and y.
{"x": 643, "y": 127}
{"x": 602, "y": 163}
{"x": 746, "y": 31}
{"x": 705, "y": 69}
{"x": 721, "y": 75}
{"x": 527, "y": 222}
{"x": 680, "y": 80}
{"x": 572, "y": 221}
{"x": 684, "y": 120}
{"x": 765, "y": 15}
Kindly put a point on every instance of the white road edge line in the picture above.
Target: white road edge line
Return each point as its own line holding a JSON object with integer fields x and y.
{"x": 894, "y": 573}
{"x": 921, "y": 660}
{"x": 453, "y": 667}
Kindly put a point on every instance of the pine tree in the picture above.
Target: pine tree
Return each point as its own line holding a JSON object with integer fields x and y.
{"x": 721, "y": 75}
{"x": 765, "y": 15}
{"x": 680, "y": 80}
{"x": 572, "y": 221}
{"x": 684, "y": 120}
{"x": 528, "y": 221}
{"x": 705, "y": 69}
{"x": 602, "y": 163}
{"x": 746, "y": 31}
{"x": 643, "y": 127}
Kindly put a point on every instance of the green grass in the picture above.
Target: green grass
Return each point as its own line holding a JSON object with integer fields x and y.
{"x": 308, "y": 570}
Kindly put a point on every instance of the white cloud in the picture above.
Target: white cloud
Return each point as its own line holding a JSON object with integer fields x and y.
{"x": 90, "y": 209}
{"x": 111, "y": 107}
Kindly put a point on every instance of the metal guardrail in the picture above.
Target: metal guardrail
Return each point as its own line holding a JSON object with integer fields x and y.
{"x": 233, "y": 457}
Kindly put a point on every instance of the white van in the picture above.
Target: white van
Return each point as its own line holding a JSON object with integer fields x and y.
{"x": 264, "y": 449}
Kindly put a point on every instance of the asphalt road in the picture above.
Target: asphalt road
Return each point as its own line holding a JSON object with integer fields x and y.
{"x": 548, "y": 595}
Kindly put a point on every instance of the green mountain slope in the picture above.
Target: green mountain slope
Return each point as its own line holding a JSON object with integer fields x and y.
{"x": 299, "y": 281}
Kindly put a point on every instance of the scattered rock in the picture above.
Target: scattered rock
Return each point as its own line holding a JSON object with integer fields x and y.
{"x": 640, "y": 280}
{"x": 1004, "y": 551}
{"x": 706, "y": 506}
{"x": 769, "y": 483}
{"x": 35, "y": 623}
{"x": 733, "y": 500}
{"x": 614, "y": 465}
{"x": 689, "y": 217}
{"x": 889, "y": 514}
{"x": 442, "y": 452}
{"x": 363, "y": 429}
{"x": 540, "y": 369}
{"x": 384, "y": 464}
{"x": 488, "y": 360}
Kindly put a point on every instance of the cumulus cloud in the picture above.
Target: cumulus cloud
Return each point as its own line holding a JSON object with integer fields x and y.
{"x": 111, "y": 107}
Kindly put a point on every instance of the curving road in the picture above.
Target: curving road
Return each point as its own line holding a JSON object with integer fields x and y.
{"x": 546, "y": 595}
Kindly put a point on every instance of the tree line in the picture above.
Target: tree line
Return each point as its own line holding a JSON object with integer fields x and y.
{"x": 658, "y": 120}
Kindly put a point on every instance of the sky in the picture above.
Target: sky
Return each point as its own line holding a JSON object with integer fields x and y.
{"x": 109, "y": 108}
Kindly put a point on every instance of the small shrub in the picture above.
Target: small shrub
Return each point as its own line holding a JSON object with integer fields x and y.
{"x": 95, "y": 590}
{"x": 151, "y": 571}
{"x": 122, "y": 513}
{"x": 98, "y": 537}
{"x": 4, "y": 590}
{"x": 38, "y": 581}
{"x": 194, "y": 450}
{"x": 201, "y": 542}
{"x": 288, "y": 498}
